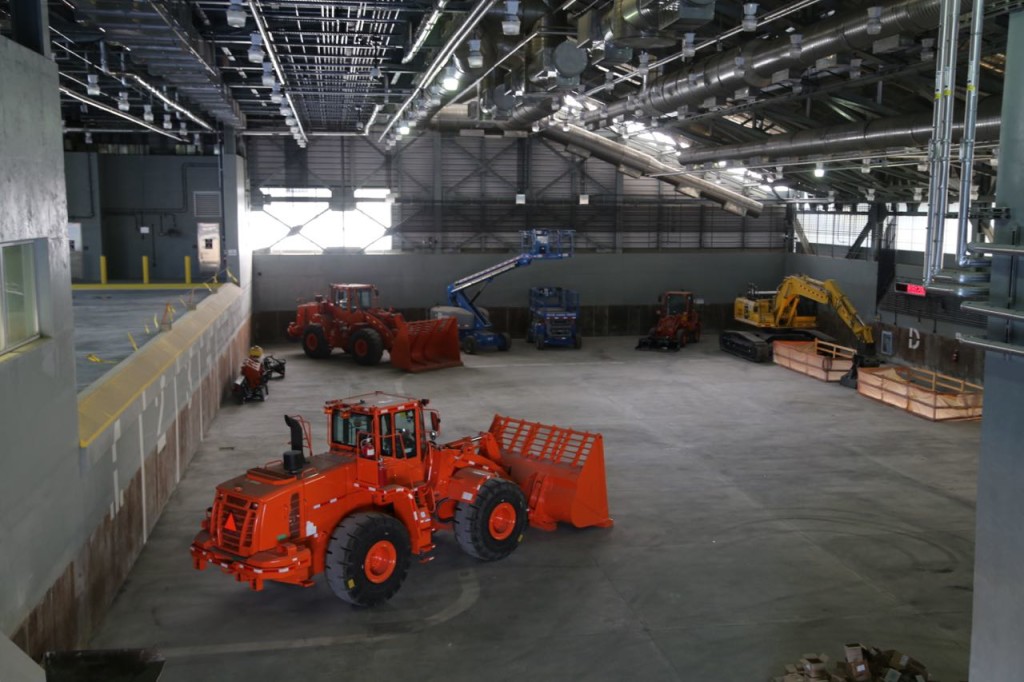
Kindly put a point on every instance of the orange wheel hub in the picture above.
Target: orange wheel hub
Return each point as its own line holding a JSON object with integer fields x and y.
{"x": 311, "y": 341}
{"x": 503, "y": 521}
{"x": 361, "y": 347}
{"x": 380, "y": 561}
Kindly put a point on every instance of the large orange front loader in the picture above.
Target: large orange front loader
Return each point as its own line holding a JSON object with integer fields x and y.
{"x": 358, "y": 512}
{"x": 351, "y": 319}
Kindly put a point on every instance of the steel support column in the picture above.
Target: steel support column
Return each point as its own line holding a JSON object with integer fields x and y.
{"x": 30, "y": 25}
{"x": 998, "y": 628}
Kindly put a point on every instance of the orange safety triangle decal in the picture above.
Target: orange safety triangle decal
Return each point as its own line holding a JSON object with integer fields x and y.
{"x": 229, "y": 524}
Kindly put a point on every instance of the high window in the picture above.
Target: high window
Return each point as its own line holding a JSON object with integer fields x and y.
{"x": 19, "y": 312}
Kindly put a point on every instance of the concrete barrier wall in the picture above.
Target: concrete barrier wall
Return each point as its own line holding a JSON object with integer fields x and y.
{"x": 139, "y": 428}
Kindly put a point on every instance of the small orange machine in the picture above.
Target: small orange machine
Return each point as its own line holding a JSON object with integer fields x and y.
{"x": 359, "y": 511}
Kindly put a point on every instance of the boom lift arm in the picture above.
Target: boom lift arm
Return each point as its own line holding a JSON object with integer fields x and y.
{"x": 534, "y": 245}
{"x": 826, "y": 292}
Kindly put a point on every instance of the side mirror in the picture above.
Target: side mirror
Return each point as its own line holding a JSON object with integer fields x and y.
{"x": 435, "y": 421}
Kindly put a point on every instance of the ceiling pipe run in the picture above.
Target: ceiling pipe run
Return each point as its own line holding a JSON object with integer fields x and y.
{"x": 754, "y": 64}
{"x": 901, "y": 131}
{"x": 638, "y": 163}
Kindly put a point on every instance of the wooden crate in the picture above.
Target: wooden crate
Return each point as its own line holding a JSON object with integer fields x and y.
{"x": 819, "y": 359}
{"x": 922, "y": 392}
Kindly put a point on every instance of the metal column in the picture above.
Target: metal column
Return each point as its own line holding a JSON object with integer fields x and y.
{"x": 30, "y": 25}
{"x": 967, "y": 140}
{"x": 998, "y": 628}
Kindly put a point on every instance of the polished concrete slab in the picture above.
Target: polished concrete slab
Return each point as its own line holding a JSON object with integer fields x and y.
{"x": 104, "y": 319}
{"x": 759, "y": 515}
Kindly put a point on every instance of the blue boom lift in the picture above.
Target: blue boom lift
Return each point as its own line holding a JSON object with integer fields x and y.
{"x": 553, "y": 318}
{"x": 475, "y": 331}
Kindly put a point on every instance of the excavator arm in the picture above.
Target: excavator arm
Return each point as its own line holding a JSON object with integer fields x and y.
{"x": 827, "y": 292}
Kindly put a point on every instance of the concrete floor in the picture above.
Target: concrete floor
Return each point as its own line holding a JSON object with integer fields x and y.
{"x": 103, "y": 320}
{"x": 759, "y": 515}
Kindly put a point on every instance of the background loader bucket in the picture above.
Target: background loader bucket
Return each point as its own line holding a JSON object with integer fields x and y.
{"x": 560, "y": 470}
{"x": 425, "y": 345}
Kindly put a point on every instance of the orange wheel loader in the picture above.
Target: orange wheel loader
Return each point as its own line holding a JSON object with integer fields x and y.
{"x": 360, "y": 511}
{"x": 352, "y": 320}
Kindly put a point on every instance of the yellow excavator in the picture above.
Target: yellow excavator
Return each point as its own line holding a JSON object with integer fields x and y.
{"x": 782, "y": 315}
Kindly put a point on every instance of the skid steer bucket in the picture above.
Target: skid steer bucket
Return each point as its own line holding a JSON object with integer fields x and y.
{"x": 425, "y": 345}
{"x": 560, "y": 470}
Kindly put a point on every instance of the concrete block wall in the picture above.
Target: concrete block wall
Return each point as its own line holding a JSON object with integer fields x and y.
{"x": 618, "y": 292}
{"x": 130, "y": 458}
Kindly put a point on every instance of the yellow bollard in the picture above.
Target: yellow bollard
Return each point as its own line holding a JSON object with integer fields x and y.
{"x": 188, "y": 269}
{"x": 103, "y": 269}
{"x": 145, "y": 269}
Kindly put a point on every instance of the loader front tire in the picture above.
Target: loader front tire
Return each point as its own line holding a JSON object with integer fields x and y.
{"x": 491, "y": 526}
{"x": 367, "y": 558}
{"x": 367, "y": 347}
{"x": 314, "y": 343}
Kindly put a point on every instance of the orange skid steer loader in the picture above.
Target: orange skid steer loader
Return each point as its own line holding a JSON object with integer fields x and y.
{"x": 352, "y": 320}
{"x": 358, "y": 512}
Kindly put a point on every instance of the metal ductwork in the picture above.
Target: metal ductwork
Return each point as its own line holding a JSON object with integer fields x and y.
{"x": 168, "y": 49}
{"x": 638, "y": 163}
{"x": 645, "y": 24}
{"x": 760, "y": 63}
{"x": 900, "y": 131}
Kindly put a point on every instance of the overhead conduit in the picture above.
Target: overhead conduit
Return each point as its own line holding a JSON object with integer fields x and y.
{"x": 753, "y": 65}
{"x": 901, "y": 131}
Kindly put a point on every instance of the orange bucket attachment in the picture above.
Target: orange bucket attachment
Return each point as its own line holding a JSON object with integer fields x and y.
{"x": 560, "y": 470}
{"x": 425, "y": 345}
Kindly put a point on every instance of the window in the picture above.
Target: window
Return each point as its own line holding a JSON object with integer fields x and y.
{"x": 348, "y": 431}
{"x": 19, "y": 312}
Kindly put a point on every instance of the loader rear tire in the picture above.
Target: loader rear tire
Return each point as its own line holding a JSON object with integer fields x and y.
{"x": 314, "y": 342}
{"x": 367, "y": 347}
{"x": 491, "y": 526}
{"x": 367, "y": 558}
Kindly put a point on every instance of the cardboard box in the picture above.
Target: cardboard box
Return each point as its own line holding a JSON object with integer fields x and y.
{"x": 854, "y": 652}
{"x": 892, "y": 675}
{"x": 858, "y": 671}
{"x": 814, "y": 667}
{"x": 898, "y": 660}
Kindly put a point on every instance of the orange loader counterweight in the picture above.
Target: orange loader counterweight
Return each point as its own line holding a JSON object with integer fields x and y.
{"x": 359, "y": 511}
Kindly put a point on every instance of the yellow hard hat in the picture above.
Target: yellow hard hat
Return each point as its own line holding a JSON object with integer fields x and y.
{"x": 255, "y": 352}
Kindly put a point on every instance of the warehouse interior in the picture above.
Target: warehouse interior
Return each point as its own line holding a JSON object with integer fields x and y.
{"x": 178, "y": 178}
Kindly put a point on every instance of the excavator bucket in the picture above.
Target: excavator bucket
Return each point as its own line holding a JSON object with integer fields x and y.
{"x": 560, "y": 470}
{"x": 425, "y": 345}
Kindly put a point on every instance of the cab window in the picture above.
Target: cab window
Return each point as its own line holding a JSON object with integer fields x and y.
{"x": 364, "y": 299}
{"x": 398, "y": 433}
{"x": 347, "y": 431}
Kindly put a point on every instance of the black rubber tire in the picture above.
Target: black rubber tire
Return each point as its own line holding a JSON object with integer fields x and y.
{"x": 681, "y": 338}
{"x": 314, "y": 343}
{"x": 506, "y": 341}
{"x": 350, "y": 542}
{"x": 468, "y": 345}
{"x": 472, "y": 527}
{"x": 367, "y": 347}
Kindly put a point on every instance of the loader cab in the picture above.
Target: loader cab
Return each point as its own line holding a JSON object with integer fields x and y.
{"x": 677, "y": 303}
{"x": 384, "y": 433}
{"x": 354, "y": 296}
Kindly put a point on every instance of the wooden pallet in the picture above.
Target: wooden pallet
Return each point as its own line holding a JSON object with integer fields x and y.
{"x": 922, "y": 392}
{"x": 819, "y": 359}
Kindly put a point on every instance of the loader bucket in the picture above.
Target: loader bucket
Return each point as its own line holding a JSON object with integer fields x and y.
{"x": 560, "y": 470}
{"x": 425, "y": 345}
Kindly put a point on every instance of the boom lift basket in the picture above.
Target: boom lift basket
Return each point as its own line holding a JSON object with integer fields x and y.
{"x": 425, "y": 345}
{"x": 560, "y": 470}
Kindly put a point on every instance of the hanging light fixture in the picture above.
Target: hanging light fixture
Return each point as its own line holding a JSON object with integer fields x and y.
{"x": 256, "y": 48}
{"x": 450, "y": 80}
{"x": 268, "y": 76}
{"x": 874, "y": 25}
{"x": 235, "y": 14}
{"x": 749, "y": 16}
{"x": 167, "y": 122}
{"x": 147, "y": 113}
{"x": 819, "y": 170}
{"x": 285, "y": 109}
{"x": 93, "y": 87}
{"x": 476, "y": 58}
{"x": 88, "y": 137}
{"x": 688, "y": 49}
{"x": 275, "y": 93}
{"x": 403, "y": 128}
{"x": 122, "y": 101}
{"x": 510, "y": 24}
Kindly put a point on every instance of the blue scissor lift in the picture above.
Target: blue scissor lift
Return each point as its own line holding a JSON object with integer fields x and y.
{"x": 475, "y": 331}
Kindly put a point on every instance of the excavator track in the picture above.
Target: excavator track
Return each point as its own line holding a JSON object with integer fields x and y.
{"x": 756, "y": 346}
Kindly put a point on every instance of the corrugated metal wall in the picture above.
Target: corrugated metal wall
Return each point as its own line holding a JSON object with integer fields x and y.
{"x": 459, "y": 193}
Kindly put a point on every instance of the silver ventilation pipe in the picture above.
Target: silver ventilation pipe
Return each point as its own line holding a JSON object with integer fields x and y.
{"x": 969, "y": 134}
{"x": 638, "y": 163}
{"x": 942, "y": 142}
{"x": 901, "y": 131}
{"x": 753, "y": 65}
